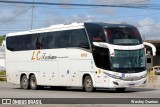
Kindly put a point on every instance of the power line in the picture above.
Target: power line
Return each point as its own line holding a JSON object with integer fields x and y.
{"x": 135, "y": 2}
{"x": 82, "y": 5}
{"x": 15, "y": 16}
{"x": 47, "y": 6}
{"x": 127, "y": 5}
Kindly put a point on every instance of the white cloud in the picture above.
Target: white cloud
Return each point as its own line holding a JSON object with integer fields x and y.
{"x": 105, "y": 11}
{"x": 114, "y": 2}
{"x": 12, "y": 11}
{"x": 149, "y": 28}
{"x": 111, "y": 11}
{"x": 59, "y": 19}
{"x": 146, "y": 21}
{"x": 82, "y": 18}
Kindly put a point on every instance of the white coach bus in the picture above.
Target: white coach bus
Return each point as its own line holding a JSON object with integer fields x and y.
{"x": 88, "y": 55}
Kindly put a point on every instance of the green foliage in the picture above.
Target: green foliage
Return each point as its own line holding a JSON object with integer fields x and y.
{"x": 1, "y": 39}
{"x": 3, "y": 73}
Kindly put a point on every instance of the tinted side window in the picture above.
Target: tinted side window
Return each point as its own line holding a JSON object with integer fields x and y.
{"x": 16, "y": 43}
{"x": 10, "y": 43}
{"x": 30, "y": 42}
{"x": 123, "y": 36}
{"x": 48, "y": 40}
{"x": 78, "y": 38}
{"x": 25, "y": 42}
{"x": 39, "y": 40}
{"x": 62, "y": 39}
{"x": 96, "y": 34}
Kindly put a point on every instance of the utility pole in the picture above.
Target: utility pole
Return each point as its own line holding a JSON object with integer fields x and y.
{"x": 32, "y": 14}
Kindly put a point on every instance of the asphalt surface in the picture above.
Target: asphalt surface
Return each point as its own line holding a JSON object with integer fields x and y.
{"x": 9, "y": 90}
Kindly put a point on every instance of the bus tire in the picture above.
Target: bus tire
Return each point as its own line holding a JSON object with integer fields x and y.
{"x": 119, "y": 90}
{"x": 24, "y": 82}
{"x": 88, "y": 84}
{"x": 33, "y": 82}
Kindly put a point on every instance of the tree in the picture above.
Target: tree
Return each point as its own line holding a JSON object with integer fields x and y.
{"x": 2, "y": 38}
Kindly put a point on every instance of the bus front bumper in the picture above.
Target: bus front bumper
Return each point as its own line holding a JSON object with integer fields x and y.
{"x": 117, "y": 83}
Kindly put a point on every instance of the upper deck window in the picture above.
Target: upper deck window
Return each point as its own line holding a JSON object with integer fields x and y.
{"x": 96, "y": 34}
{"x": 123, "y": 35}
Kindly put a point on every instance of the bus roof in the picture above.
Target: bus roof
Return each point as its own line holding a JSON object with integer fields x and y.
{"x": 109, "y": 24}
{"x": 68, "y": 26}
{"x": 57, "y": 27}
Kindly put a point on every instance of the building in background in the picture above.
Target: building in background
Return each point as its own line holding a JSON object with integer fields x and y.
{"x": 153, "y": 60}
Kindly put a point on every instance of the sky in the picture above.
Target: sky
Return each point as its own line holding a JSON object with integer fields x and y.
{"x": 17, "y": 17}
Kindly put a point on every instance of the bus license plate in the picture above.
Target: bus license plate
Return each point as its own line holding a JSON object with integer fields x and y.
{"x": 131, "y": 85}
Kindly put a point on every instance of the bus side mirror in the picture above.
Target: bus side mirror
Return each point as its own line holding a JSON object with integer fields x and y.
{"x": 105, "y": 45}
{"x": 152, "y": 46}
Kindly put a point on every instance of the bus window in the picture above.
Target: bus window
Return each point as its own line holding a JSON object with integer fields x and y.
{"x": 78, "y": 38}
{"x": 62, "y": 40}
{"x": 49, "y": 40}
{"x": 16, "y": 43}
{"x": 10, "y": 43}
{"x": 123, "y": 36}
{"x": 39, "y": 44}
{"x": 96, "y": 34}
{"x": 102, "y": 58}
{"x": 29, "y": 42}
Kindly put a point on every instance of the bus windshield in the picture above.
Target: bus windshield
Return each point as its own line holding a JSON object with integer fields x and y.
{"x": 123, "y": 36}
{"x": 128, "y": 61}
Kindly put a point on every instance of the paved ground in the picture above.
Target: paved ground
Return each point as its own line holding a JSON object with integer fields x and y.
{"x": 8, "y": 90}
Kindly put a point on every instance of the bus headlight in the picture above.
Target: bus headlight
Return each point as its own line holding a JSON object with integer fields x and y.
{"x": 145, "y": 75}
{"x": 113, "y": 76}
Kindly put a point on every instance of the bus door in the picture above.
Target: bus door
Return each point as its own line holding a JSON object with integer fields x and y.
{"x": 101, "y": 59}
{"x": 100, "y": 55}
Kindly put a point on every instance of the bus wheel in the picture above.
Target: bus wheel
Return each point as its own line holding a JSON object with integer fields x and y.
{"x": 24, "y": 82}
{"x": 88, "y": 84}
{"x": 33, "y": 82}
{"x": 120, "y": 89}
